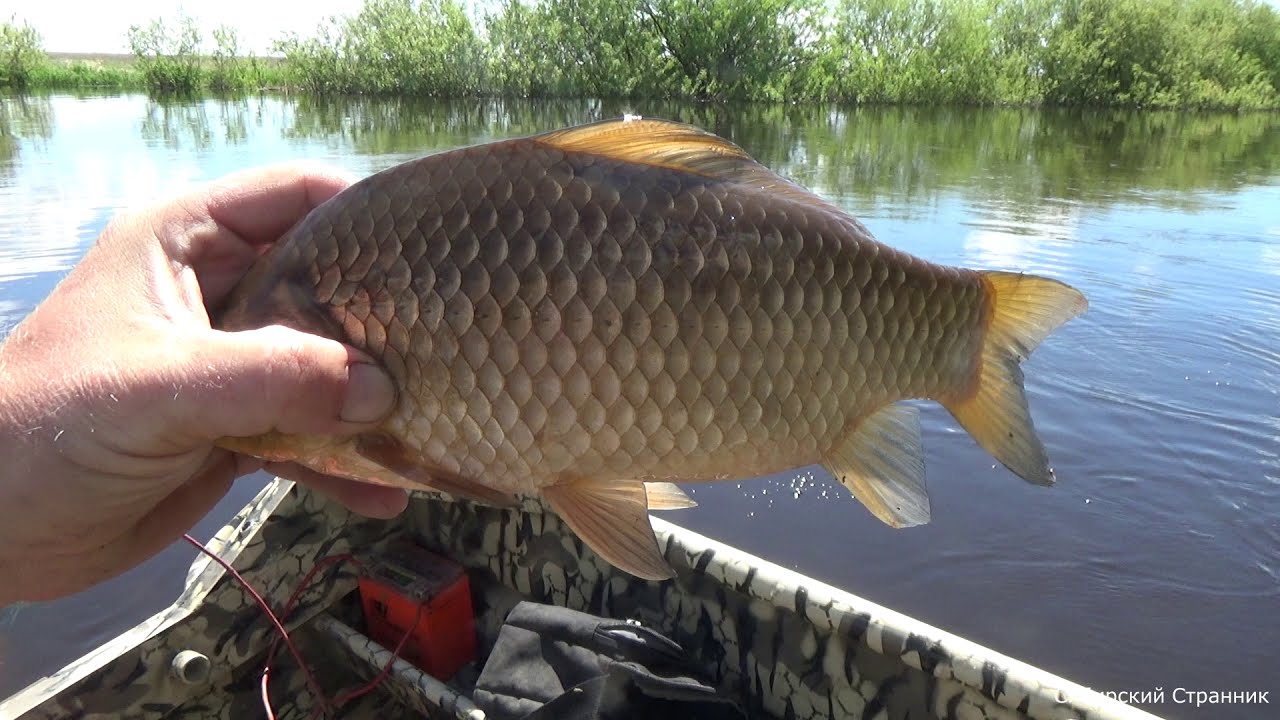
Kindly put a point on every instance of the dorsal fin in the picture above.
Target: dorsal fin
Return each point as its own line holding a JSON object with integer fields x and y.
{"x": 660, "y": 143}
{"x": 680, "y": 147}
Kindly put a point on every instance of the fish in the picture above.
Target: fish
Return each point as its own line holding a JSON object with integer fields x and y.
{"x": 598, "y": 313}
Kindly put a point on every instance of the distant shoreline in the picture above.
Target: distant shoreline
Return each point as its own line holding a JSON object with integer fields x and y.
{"x": 1142, "y": 54}
{"x": 124, "y": 58}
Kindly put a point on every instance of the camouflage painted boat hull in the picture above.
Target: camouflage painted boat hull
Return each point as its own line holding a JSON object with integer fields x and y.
{"x": 782, "y": 644}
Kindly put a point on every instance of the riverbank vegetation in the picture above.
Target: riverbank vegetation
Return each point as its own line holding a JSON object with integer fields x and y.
{"x": 1129, "y": 53}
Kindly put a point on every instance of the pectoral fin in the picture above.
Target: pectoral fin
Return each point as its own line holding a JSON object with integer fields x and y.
{"x": 612, "y": 518}
{"x": 667, "y": 496}
{"x": 882, "y": 464}
{"x": 391, "y": 454}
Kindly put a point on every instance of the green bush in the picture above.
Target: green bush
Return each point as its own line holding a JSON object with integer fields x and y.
{"x": 912, "y": 51}
{"x": 522, "y": 51}
{"x": 169, "y": 58}
{"x": 227, "y": 69}
{"x": 418, "y": 48}
{"x": 21, "y": 54}
{"x": 732, "y": 49}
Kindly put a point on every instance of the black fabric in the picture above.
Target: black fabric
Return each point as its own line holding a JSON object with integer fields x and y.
{"x": 551, "y": 662}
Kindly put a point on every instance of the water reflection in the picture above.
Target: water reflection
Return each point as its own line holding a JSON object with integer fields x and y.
{"x": 23, "y": 118}
{"x": 908, "y": 155}
{"x": 235, "y": 116}
{"x": 413, "y": 125}
{"x": 177, "y": 123}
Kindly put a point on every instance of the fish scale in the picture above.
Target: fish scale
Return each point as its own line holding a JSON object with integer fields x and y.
{"x": 589, "y": 312}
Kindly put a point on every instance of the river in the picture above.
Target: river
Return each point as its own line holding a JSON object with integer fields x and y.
{"x": 1155, "y": 560}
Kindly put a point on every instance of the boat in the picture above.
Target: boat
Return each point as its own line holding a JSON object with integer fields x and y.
{"x": 775, "y": 642}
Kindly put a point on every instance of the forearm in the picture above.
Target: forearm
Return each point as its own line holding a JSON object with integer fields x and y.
{"x": 20, "y": 433}
{"x": 41, "y": 426}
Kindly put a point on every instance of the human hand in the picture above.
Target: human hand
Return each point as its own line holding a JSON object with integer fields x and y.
{"x": 115, "y": 387}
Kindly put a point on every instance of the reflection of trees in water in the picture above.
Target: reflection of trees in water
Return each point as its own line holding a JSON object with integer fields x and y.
{"x": 905, "y": 154}
{"x": 181, "y": 122}
{"x": 406, "y": 125}
{"x": 1020, "y": 154}
{"x": 177, "y": 123}
{"x": 234, "y": 116}
{"x": 23, "y": 117}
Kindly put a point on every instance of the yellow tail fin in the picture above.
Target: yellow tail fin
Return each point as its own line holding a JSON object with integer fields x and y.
{"x": 1025, "y": 309}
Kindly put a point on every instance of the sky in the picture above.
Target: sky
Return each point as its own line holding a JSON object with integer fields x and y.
{"x": 96, "y": 26}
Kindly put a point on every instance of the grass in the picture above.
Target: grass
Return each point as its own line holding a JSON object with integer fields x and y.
{"x": 85, "y": 71}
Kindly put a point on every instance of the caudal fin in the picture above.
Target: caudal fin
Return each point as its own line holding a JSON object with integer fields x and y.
{"x": 1026, "y": 308}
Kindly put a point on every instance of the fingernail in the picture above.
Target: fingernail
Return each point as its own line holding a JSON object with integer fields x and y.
{"x": 370, "y": 394}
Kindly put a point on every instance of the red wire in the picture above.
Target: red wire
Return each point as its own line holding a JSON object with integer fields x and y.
{"x": 266, "y": 699}
{"x": 311, "y": 680}
{"x": 322, "y": 704}
{"x": 291, "y": 605}
{"x": 369, "y": 687}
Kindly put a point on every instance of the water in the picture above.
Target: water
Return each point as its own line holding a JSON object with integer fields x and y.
{"x": 1154, "y": 563}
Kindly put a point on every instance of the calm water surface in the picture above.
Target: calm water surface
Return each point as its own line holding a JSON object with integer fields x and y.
{"x": 1154, "y": 563}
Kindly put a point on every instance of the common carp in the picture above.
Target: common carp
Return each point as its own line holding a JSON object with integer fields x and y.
{"x": 598, "y": 312}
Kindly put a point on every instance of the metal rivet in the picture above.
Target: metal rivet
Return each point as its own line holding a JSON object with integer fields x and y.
{"x": 191, "y": 667}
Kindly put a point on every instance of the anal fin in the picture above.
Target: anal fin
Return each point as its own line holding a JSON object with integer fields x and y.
{"x": 271, "y": 446}
{"x": 612, "y": 518}
{"x": 667, "y": 496}
{"x": 882, "y": 463}
{"x": 391, "y": 454}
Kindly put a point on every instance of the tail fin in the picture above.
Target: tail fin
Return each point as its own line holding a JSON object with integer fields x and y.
{"x": 1025, "y": 309}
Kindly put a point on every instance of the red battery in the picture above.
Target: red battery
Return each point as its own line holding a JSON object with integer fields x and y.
{"x": 408, "y": 584}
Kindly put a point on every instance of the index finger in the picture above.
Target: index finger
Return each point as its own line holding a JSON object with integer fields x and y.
{"x": 261, "y": 205}
{"x": 219, "y": 230}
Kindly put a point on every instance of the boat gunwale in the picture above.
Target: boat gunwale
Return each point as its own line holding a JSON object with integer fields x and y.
{"x": 1025, "y": 687}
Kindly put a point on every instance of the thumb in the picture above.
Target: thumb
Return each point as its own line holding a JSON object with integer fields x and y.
{"x": 251, "y": 382}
